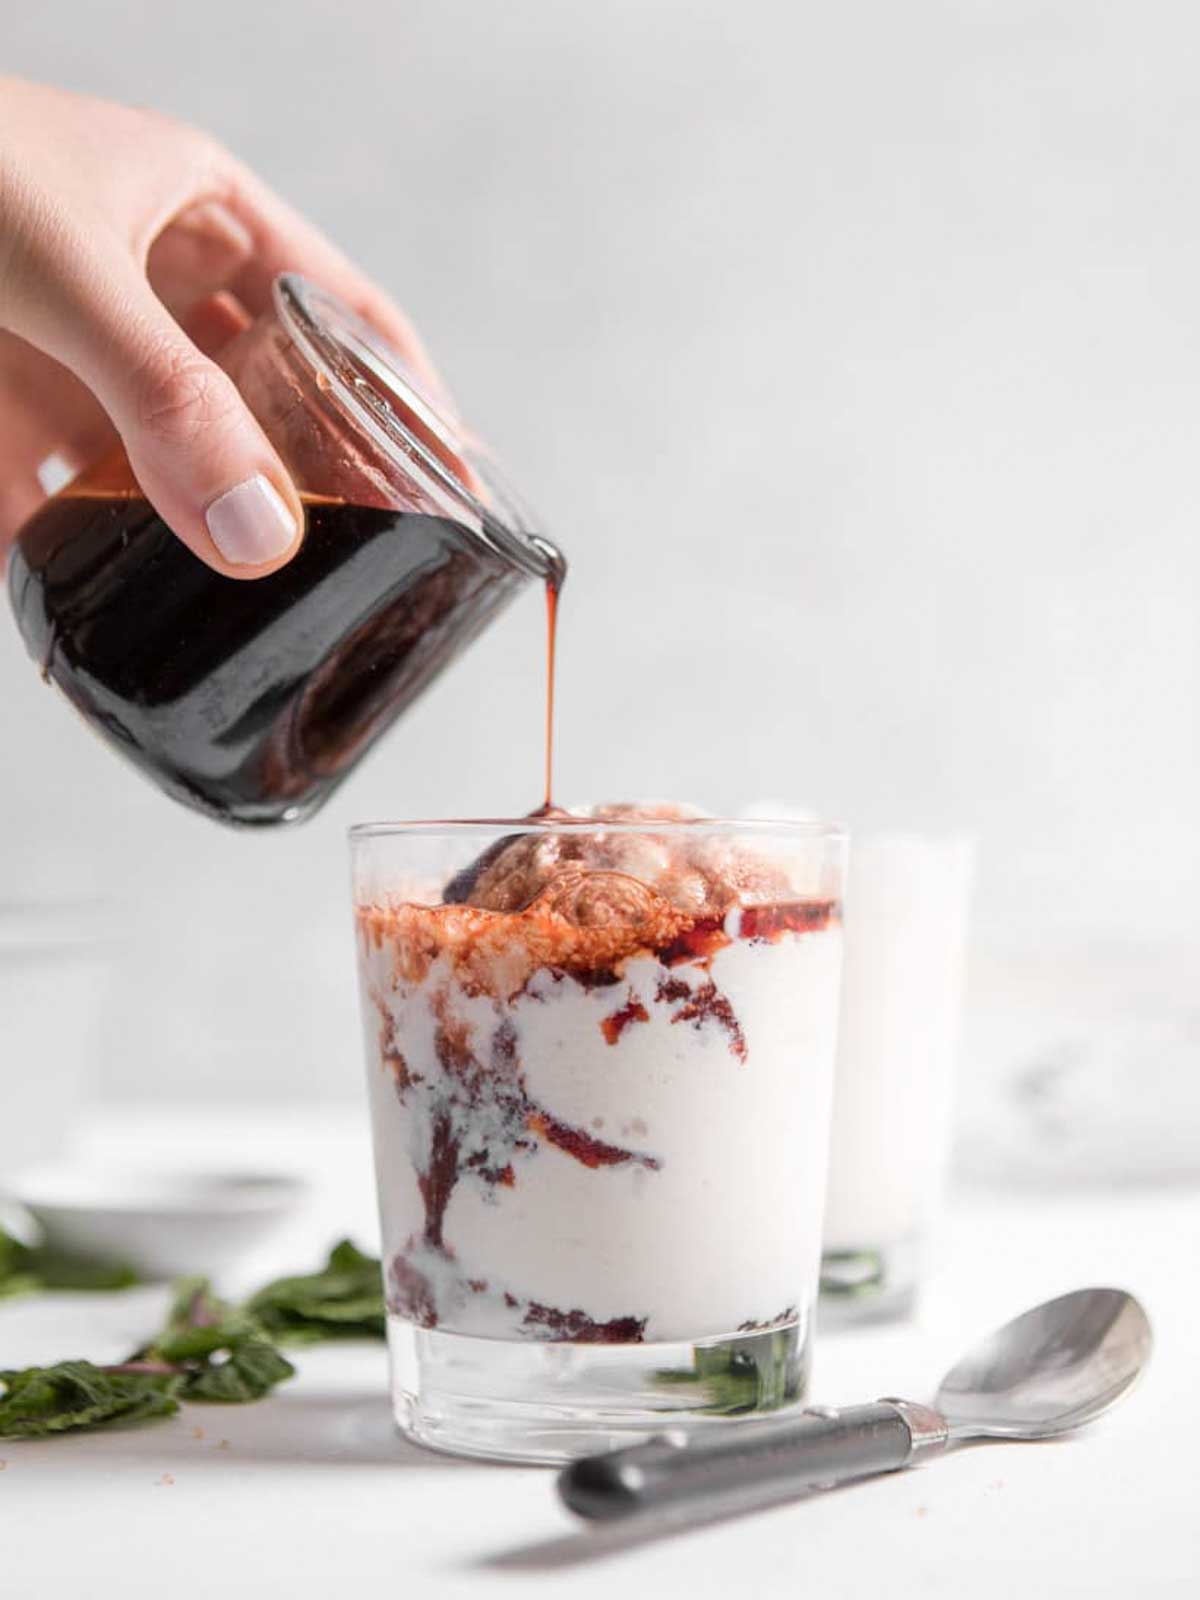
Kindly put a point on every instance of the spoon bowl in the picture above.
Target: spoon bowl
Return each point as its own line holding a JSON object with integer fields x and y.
{"x": 1049, "y": 1370}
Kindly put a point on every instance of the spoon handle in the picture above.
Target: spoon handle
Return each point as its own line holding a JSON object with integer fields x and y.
{"x": 821, "y": 1448}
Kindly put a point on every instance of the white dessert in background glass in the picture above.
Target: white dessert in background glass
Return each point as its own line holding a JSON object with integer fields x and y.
{"x": 907, "y": 900}
{"x": 600, "y": 1055}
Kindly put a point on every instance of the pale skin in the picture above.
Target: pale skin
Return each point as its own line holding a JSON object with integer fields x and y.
{"x": 132, "y": 247}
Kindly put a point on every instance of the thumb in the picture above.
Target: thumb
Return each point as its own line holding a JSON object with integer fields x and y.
{"x": 196, "y": 449}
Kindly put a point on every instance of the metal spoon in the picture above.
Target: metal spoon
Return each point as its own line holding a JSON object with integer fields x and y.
{"x": 1050, "y": 1370}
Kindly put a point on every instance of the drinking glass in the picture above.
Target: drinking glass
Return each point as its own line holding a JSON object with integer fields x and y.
{"x": 600, "y": 1062}
{"x": 906, "y": 923}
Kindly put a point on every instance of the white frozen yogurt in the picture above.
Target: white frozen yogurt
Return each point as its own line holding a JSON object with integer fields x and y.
{"x": 635, "y": 1152}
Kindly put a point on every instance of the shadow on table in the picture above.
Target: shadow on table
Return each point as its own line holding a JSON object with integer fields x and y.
{"x": 348, "y": 1428}
{"x": 597, "y": 1541}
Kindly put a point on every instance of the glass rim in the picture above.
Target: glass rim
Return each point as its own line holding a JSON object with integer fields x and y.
{"x": 322, "y": 327}
{"x": 471, "y": 827}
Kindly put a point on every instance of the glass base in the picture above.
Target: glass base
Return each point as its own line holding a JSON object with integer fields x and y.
{"x": 874, "y": 1284}
{"x": 550, "y": 1402}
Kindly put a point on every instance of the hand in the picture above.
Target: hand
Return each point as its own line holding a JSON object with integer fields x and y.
{"x": 133, "y": 247}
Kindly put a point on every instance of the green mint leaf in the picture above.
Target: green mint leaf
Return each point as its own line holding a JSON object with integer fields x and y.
{"x": 56, "y": 1271}
{"x": 17, "y": 1276}
{"x": 344, "y": 1300}
{"x": 193, "y": 1305}
{"x": 207, "y": 1350}
{"x": 14, "y": 1256}
{"x": 17, "y": 1284}
{"x": 28, "y": 1269}
{"x": 38, "y": 1401}
{"x": 758, "y": 1372}
{"x": 251, "y": 1370}
{"x": 220, "y": 1350}
{"x": 198, "y": 1323}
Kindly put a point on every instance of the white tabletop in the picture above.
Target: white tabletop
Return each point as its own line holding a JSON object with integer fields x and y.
{"x": 311, "y": 1488}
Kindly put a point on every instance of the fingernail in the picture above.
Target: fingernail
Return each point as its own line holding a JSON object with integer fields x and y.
{"x": 250, "y": 524}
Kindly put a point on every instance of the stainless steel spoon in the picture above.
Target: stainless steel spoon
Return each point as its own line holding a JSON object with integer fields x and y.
{"x": 1050, "y": 1370}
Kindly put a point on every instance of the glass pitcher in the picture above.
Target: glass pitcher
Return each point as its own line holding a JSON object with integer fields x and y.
{"x": 252, "y": 701}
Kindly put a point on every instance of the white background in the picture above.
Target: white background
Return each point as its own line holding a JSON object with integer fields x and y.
{"x": 850, "y": 352}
